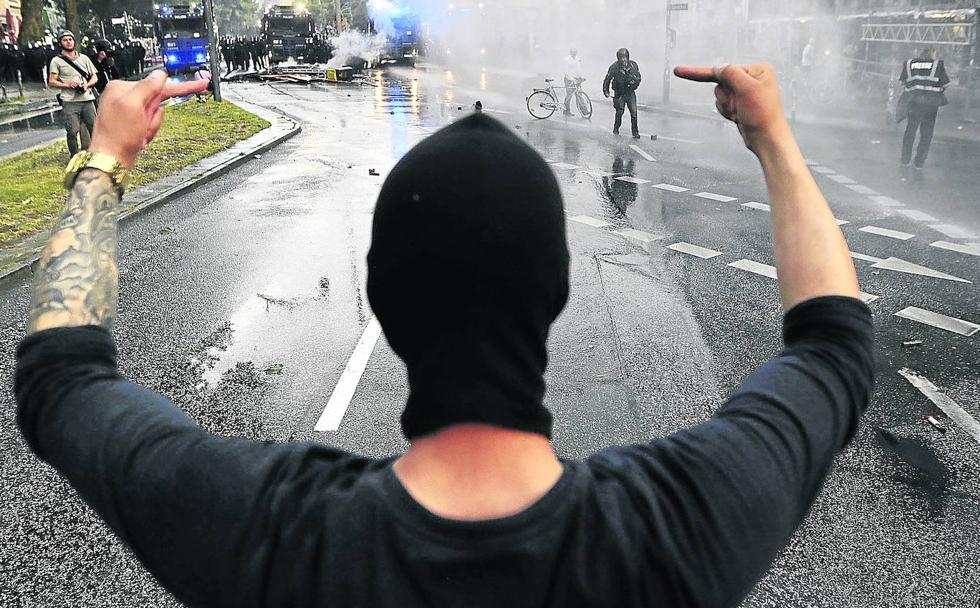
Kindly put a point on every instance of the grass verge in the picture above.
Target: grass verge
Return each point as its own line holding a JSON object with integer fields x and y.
{"x": 31, "y": 194}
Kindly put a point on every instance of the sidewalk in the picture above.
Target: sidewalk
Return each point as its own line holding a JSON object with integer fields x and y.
{"x": 19, "y": 258}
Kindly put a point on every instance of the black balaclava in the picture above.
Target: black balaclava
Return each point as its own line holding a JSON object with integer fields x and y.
{"x": 468, "y": 268}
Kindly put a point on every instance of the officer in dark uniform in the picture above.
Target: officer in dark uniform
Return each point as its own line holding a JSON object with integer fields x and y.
{"x": 139, "y": 55}
{"x": 925, "y": 81}
{"x": 624, "y": 76}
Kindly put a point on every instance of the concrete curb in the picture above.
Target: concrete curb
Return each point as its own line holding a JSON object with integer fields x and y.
{"x": 165, "y": 189}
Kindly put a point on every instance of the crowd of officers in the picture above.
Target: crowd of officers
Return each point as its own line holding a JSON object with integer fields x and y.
{"x": 253, "y": 53}
{"x": 30, "y": 61}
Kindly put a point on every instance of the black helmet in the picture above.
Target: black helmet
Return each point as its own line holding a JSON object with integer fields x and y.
{"x": 623, "y": 53}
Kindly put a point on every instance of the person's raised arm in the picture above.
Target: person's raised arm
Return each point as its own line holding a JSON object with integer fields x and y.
{"x": 811, "y": 255}
{"x": 77, "y": 279}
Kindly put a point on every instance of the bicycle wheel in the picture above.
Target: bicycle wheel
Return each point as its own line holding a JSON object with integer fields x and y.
{"x": 541, "y": 104}
{"x": 584, "y": 104}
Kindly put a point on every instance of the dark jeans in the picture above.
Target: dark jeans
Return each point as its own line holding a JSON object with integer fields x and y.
{"x": 621, "y": 102}
{"x": 76, "y": 113}
{"x": 922, "y": 118}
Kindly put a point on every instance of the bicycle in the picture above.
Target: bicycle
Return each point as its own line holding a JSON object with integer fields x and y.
{"x": 543, "y": 103}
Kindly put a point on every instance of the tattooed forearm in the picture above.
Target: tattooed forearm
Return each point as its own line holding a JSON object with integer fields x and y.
{"x": 77, "y": 281}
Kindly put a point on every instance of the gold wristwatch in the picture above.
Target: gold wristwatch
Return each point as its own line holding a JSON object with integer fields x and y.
{"x": 106, "y": 163}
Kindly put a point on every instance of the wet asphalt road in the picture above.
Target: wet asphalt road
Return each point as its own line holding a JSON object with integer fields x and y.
{"x": 246, "y": 309}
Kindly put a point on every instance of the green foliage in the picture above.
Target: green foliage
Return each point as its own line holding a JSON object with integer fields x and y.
{"x": 190, "y": 132}
{"x": 236, "y": 17}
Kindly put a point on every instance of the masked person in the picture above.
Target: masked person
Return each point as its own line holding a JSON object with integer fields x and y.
{"x": 925, "y": 81}
{"x": 573, "y": 76}
{"x": 104, "y": 65}
{"x": 624, "y": 76}
{"x": 74, "y": 75}
{"x": 467, "y": 270}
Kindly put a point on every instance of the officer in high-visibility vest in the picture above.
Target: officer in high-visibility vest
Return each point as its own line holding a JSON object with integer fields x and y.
{"x": 925, "y": 81}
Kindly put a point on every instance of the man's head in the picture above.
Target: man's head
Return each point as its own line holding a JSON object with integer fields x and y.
{"x": 468, "y": 268}
{"x": 67, "y": 40}
{"x": 623, "y": 55}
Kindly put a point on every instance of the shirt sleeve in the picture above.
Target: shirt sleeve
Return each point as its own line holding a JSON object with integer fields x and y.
{"x": 941, "y": 74}
{"x": 718, "y": 501}
{"x": 209, "y": 517}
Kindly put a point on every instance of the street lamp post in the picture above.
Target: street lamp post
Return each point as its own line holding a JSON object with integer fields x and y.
{"x": 214, "y": 63}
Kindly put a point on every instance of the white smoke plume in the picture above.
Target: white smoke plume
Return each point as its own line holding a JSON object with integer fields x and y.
{"x": 351, "y": 44}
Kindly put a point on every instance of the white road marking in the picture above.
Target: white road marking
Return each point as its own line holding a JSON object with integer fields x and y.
{"x": 899, "y": 265}
{"x": 578, "y": 124}
{"x": 957, "y": 326}
{"x": 953, "y": 231}
{"x": 866, "y": 258}
{"x": 599, "y": 174}
{"x": 643, "y": 153}
{"x": 862, "y": 189}
{"x": 589, "y": 221}
{"x": 841, "y": 179}
{"x": 564, "y": 166}
{"x": 841, "y": 222}
{"x": 633, "y": 180}
{"x": 759, "y": 206}
{"x": 894, "y": 234}
{"x": 494, "y": 111}
{"x": 638, "y": 235}
{"x": 952, "y": 409}
{"x": 342, "y": 394}
{"x": 671, "y": 187}
{"x": 702, "y": 252}
{"x": 886, "y": 201}
{"x": 967, "y": 249}
{"x": 867, "y": 298}
{"x": 679, "y": 139}
{"x": 914, "y": 214}
{"x": 823, "y": 170}
{"x": 748, "y": 265}
{"x": 716, "y": 197}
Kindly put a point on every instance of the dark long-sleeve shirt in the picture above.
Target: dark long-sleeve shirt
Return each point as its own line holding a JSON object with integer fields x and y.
{"x": 692, "y": 519}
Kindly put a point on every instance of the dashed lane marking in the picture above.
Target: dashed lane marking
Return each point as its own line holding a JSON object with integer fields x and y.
{"x": 862, "y": 189}
{"x": 702, "y": 252}
{"x": 755, "y": 267}
{"x": 716, "y": 197}
{"x": 495, "y": 111}
{"x": 671, "y": 187}
{"x": 633, "y": 180}
{"x": 643, "y": 153}
{"x": 679, "y": 139}
{"x": 564, "y": 166}
{"x": 841, "y": 222}
{"x": 867, "y": 298}
{"x": 935, "y": 319}
{"x": 638, "y": 235}
{"x": 823, "y": 170}
{"x": 967, "y": 249}
{"x": 342, "y": 394}
{"x": 841, "y": 179}
{"x": 899, "y": 265}
{"x": 759, "y": 206}
{"x": 589, "y": 221}
{"x": 886, "y": 201}
{"x": 865, "y": 258}
{"x": 599, "y": 174}
{"x": 915, "y": 214}
{"x": 893, "y": 234}
{"x": 952, "y": 409}
{"x": 953, "y": 231}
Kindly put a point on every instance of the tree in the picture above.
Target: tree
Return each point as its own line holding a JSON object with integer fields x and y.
{"x": 236, "y": 17}
{"x": 32, "y": 28}
{"x": 71, "y": 14}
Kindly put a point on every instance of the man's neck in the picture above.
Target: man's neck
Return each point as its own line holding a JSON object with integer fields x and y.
{"x": 69, "y": 54}
{"x": 478, "y": 471}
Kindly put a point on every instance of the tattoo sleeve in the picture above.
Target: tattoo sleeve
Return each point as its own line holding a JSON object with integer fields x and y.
{"x": 77, "y": 281}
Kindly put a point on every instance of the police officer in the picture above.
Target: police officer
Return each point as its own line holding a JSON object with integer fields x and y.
{"x": 925, "y": 81}
{"x": 624, "y": 76}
